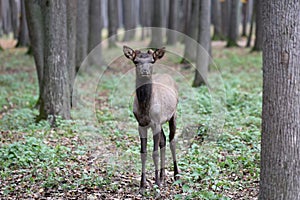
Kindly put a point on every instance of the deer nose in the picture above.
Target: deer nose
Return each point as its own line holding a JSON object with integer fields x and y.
{"x": 145, "y": 70}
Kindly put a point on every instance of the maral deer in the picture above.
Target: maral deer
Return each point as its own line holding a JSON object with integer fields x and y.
{"x": 155, "y": 103}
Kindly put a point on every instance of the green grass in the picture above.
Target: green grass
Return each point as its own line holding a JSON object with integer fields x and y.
{"x": 84, "y": 156}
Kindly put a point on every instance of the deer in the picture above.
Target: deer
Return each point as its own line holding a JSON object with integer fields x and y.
{"x": 155, "y": 103}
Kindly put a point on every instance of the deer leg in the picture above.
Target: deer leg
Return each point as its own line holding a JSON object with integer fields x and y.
{"x": 155, "y": 155}
{"x": 143, "y": 138}
{"x": 172, "y": 126}
{"x": 162, "y": 145}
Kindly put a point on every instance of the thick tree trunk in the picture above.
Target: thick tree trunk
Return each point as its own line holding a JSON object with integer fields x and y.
{"x": 258, "y": 27}
{"x": 190, "y": 49}
{"x": 216, "y": 20}
{"x": 34, "y": 18}
{"x": 183, "y": 15}
{"x": 112, "y": 22}
{"x": 82, "y": 31}
{"x": 71, "y": 36}
{"x": 156, "y": 33}
{"x": 173, "y": 22}
{"x": 23, "y": 37}
{"x": 233, "y": 31}
{"x": 204, "y": 40}
{"x": 245, "y": 18}
{"x": 145, "y": 16}
{"x": 6, "y": 16}
{"x": 249, "y": 38}
{"x": 129, "y": 18}
{"x": 225, "y": 15}
{"x": 165, "y": 13}
{"x": 14, "y": 14}
{"x": 280, "y": 145}
{"x": 95, "y": 24}
{"x": 55, "y": 97}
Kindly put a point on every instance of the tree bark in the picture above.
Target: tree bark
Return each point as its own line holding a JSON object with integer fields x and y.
{"x": 233, "y": 31}
{"x": 82, "y": 31}
{"x": 216, "y": 20}
{"x": 258, "y": 27}
{"x": 245, "y": 17}
{"x": 14, "y": 15}
{"x": 204, "y": 41}
{"x": 95, "y": 24}
{"x": 71, "y": 37}
{"x": 35, "y": 24}
{"x": 23, "y": 37}
{"x": 280, "y": 145}
{"x": 112, "y": 22}
{"x": 129, "y": 8}
{"x": 145, "y": 16}
{"x": 225, "y": 14}
{"x": 172, "y": 22}
{"x": 6, "y": 16}
{"x": 156, "y": 33}
{"x": 1, "y": 20}
{"x": 55, "y": 97}
{"x": 183, "y": 15}
{"x": 249, "y": 39}
{"x": 190, "y": 48}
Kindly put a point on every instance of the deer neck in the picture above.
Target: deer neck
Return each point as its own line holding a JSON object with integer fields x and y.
{"x": 144, "y": 93}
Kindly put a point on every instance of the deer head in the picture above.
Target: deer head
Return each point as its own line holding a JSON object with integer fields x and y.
{"x": 143, "y": 61}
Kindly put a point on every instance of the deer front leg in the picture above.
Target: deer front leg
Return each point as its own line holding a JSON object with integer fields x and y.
{"x": 143, "y": 138}
{"x": 155, "y": 155}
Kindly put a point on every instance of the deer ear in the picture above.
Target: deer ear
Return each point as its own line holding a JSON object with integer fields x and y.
{"x": 129, "y": 52}
{"x": 159, "y": 53}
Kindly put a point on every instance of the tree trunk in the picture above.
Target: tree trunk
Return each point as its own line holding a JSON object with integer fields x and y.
{"x": 34, "y": 18}
{"x": 233, "y": 31}
{"x": 95, "y": 24}
{"x": 216, "y": 20}
{"x": 165, "y": 13}
{"x": 190, "y": 49}
{"x": 55, "y": 97}
{"x": 172, "y": 22}
{"x": 6, "y": 16}
{"x": 145, "y": 16}
{"x": 112, "y": 22}
{"x": 183, "y": 15}
{"x": 23, "y": 37}
{"x": 157, "y": 35}
{"x": 280, "y": 145}
{"x": 1, "y": 20}
{"x": 225, "y": 13}
{"x": 204, "y": 41}
{"x": 245, "y": 17}
{"x": 82, "y": 31}
{"x": 258, "y": 27}
{"x": 14, "y": 14}
{"x": 249, "y": 39}
{"x": 129, "y": 8}
{"x": 71, "y": 36}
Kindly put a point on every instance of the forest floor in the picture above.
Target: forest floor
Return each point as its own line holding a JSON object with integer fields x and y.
{"x": 96, "y": 154}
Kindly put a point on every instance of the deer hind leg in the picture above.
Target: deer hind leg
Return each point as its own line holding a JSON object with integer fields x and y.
{"x": 162, "y": 146}
{"x": 155, "y": 154}
{"x": 172, "y": 127}
{"x": 143, "y": 138}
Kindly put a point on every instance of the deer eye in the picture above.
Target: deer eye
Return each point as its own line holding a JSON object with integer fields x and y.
{"x": 135, "y": 62}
